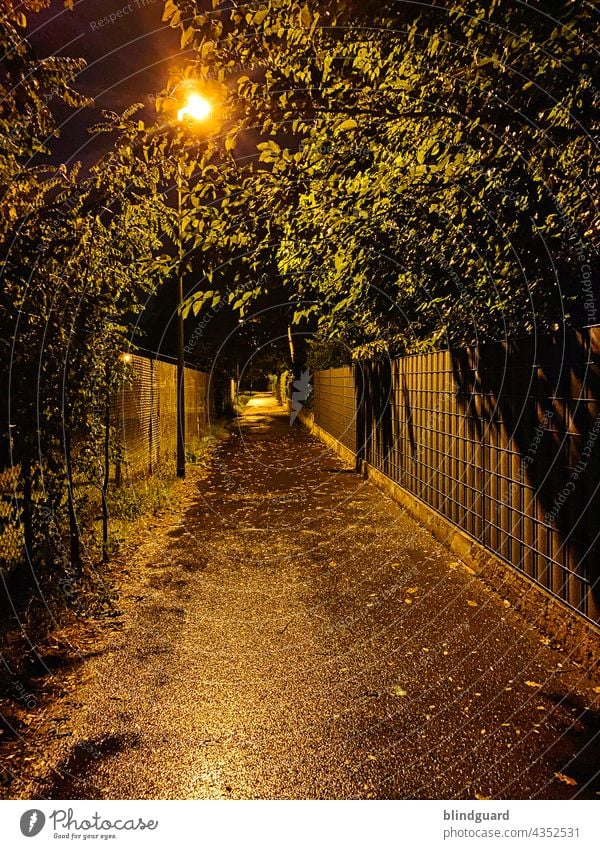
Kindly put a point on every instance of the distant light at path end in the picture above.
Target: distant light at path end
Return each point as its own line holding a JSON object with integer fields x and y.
{"x": 197, "y": 108}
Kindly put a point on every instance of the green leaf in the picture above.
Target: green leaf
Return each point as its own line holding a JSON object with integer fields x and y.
{"x": 260, "y": 16}
{"x": 305, "y": 17}
{"x": 169, "y": 10}
{"x": 187, "y": 36}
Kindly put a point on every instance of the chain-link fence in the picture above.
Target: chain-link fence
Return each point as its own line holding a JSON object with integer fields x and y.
{"x": 143, "y": 442}
{"x": 145, "y": 416}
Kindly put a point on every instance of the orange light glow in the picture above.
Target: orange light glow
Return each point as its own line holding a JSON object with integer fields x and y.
{"x": 197, "y": 108}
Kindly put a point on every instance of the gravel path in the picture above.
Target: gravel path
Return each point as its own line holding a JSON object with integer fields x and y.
{"x": 297, "y": 635}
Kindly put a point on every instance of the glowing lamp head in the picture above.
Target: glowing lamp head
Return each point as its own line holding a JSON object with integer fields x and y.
{"x": 126, "y": 357}
{"x": 196, "y": 108}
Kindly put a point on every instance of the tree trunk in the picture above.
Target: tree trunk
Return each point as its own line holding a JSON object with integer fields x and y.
{"x": 26, "y": 474}
{"x": 74, "y": 539}
{"x": 105, "y": 480}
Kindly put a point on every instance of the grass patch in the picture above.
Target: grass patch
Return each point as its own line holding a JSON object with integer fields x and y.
{"x": 35, "y": 603}
{"x": 199, "y": 451}
{"x": 241, "y": 401}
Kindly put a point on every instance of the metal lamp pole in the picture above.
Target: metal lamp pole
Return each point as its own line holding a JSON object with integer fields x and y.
{"x": 196, "y": 108}
{"x": 180, "y": 335}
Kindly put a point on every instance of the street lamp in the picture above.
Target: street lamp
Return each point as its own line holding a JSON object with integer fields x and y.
{"x": 195, "y": 109}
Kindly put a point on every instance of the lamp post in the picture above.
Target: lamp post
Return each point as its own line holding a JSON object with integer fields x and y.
{"x": 180, "y": 332}
{"x": 195, "y": 109}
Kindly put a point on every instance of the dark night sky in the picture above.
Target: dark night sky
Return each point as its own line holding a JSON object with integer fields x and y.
{"x": 128, "y": 60}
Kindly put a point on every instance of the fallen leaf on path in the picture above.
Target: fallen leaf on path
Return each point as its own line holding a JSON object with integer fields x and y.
{"x": 472, "y": 603}
{"x": 412, "y": 590}
{"x": 566, "y": 779}
{"x": 397, "y": 690}
{"x": 532, "y": 684}
{"x": 482, "y": 798}
{"x": 596, "y": 689}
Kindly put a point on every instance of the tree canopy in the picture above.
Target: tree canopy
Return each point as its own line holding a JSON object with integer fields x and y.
{"x": 415, "y": 176}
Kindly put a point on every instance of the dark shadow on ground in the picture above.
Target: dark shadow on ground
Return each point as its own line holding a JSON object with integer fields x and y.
{"x": 75, "y": 777}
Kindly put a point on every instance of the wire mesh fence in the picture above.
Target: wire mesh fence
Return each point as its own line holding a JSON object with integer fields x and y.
{"x": 501, "y": 439}
{"x": 334, "y": 404}
{"x": 145, "y": 415}
{"x": 143, "y": 442}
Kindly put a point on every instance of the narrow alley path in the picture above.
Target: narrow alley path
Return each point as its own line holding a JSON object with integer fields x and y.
{"x": 301, "y": 637}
